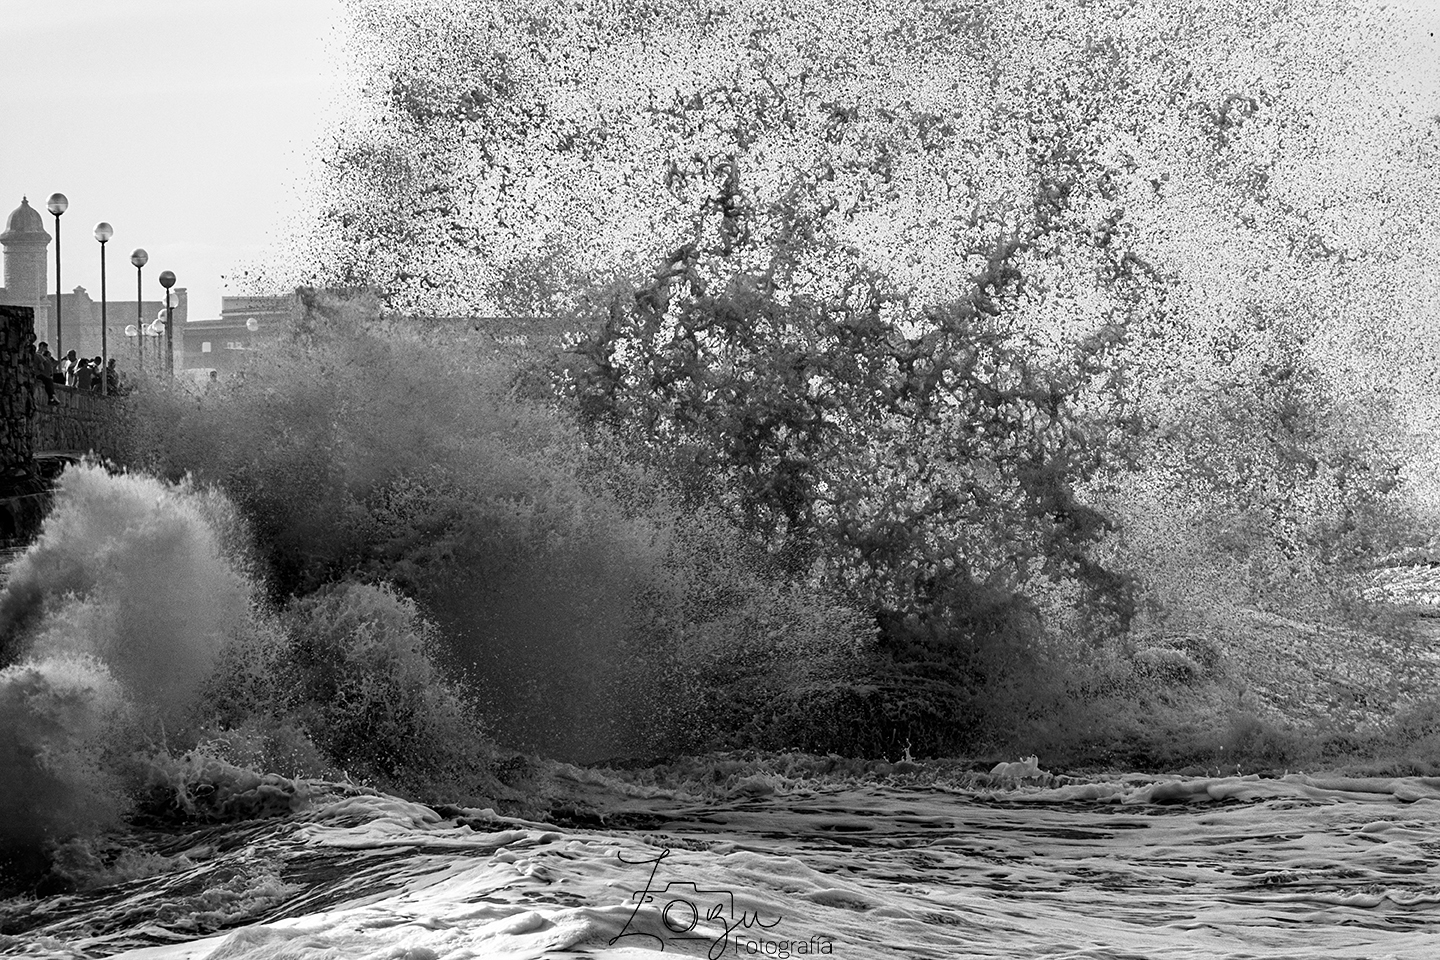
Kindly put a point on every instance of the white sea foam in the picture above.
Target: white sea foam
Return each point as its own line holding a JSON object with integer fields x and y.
{"x": 1226, "y": 868}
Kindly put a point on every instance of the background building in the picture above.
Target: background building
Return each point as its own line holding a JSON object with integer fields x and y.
{"x": 226, "y": 343}
{"x": 27, "y": 259}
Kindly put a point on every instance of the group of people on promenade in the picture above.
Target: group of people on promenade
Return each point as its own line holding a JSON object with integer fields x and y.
{"x": 90, "y": 374}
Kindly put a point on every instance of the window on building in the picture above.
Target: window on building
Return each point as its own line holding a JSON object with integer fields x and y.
{"x": 204, "y": 346}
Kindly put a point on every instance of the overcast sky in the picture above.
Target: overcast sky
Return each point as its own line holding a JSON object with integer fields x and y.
{"x": 187, "y": 124}
{"x": 190, "y": 125}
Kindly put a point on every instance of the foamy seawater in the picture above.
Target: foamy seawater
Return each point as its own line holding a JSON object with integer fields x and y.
{"x": 1131, "y": 867}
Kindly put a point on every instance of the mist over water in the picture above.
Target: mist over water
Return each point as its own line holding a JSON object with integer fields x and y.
{"x": 585, "y": 612}
{"x": 401, "y": 575}
{"x": 136, "y": 642}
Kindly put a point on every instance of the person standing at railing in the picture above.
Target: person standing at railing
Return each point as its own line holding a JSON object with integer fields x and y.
{"x": 69, "y": 367}
{"x": 45, "y": 369}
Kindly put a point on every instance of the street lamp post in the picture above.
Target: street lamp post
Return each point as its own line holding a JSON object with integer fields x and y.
{"x": 156, "y": 328}
{"x": 167, "y": 280}
{"x": 103, "y": 233}
{"x": 139, "y": 257}
{"x": 57, "y": 205}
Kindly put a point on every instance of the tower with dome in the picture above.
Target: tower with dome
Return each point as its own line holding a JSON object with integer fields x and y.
{"x": 26, "y": 244}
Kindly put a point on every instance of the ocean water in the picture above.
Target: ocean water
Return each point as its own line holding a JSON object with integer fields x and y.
{"x": 1112, "y": 868}
{"x": 112, "y": 621}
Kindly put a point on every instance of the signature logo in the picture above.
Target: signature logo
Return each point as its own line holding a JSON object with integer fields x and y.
{"x": 688, "y": 912}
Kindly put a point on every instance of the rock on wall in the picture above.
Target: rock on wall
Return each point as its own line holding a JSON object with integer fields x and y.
{"x": 17, "y": 377}
{"x": 78, "y": 422}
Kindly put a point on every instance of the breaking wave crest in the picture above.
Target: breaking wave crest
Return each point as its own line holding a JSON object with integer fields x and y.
{"x": 144, "y": 671}
{"x": 132, "y": 572}
{"x": 110, "y": 624}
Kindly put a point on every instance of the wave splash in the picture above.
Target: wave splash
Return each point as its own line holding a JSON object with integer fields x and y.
{"x": 110, "y": 623}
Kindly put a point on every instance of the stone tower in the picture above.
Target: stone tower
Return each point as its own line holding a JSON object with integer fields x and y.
{"x": 25, "y": 242}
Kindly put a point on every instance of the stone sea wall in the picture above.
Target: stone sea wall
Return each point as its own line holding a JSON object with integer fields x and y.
{"x": 76, "y": 423}
{"x": 17, "y": 378}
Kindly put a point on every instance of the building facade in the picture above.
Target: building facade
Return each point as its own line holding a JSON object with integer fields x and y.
{"x": 226, "y": 343}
